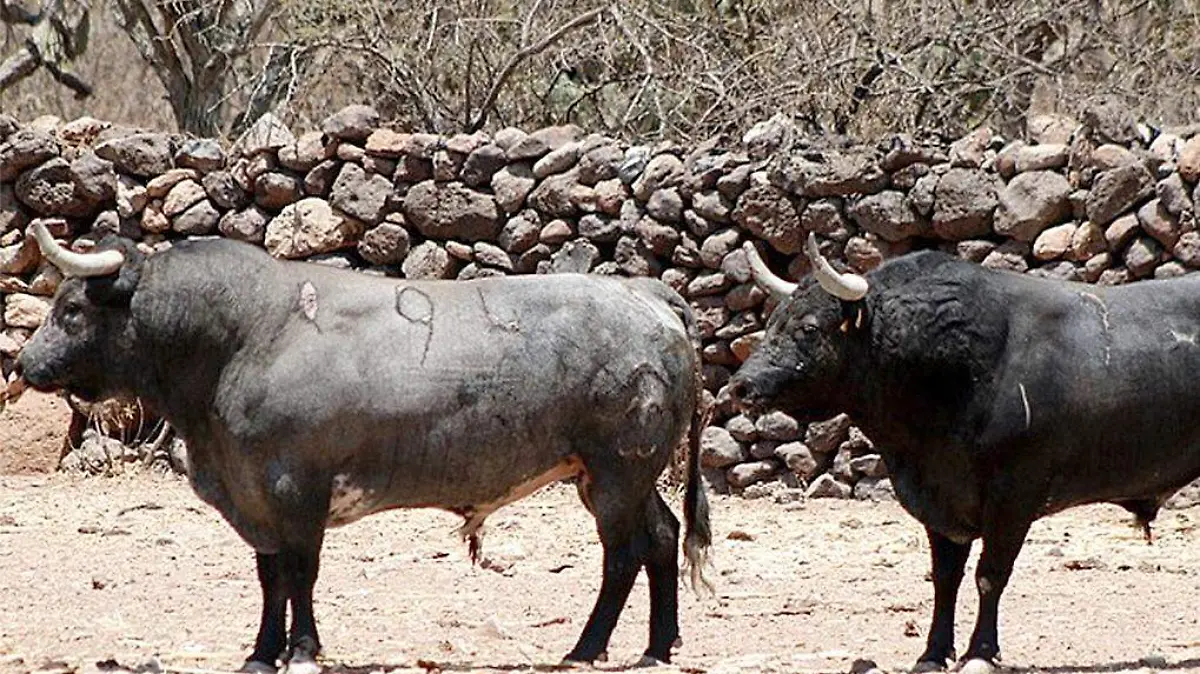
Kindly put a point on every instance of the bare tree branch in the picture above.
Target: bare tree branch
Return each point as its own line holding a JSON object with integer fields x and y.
{"x": 524, "y": 53}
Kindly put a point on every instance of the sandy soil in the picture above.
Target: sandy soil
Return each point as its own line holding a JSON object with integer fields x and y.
{"x": 135, "y": 571}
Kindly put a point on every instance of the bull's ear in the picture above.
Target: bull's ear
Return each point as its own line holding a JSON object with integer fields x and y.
{"x": 854, "y": 316}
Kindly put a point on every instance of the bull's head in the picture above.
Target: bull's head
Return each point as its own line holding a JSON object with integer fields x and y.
{"x": 80, "y": 345}
{"x": 800, "y": 366}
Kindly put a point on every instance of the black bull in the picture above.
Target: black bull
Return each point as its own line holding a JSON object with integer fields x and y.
{"x": 310, "y": 397}
{"x": 995, "y": 399}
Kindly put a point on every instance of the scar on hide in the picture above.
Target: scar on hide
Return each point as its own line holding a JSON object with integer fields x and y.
{"x": 308, "y": 300}
{"x": 496, "y": 321}
{"x": 474, "y": 515}
{"x": 1025, "y": 402}
{"x": 1104, "y": 323}
{"x": 415, "y": 306}
{"x": 1183, "y": 337}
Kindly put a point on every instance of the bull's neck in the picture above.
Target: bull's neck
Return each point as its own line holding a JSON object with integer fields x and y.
{"x": 190, "y": 330}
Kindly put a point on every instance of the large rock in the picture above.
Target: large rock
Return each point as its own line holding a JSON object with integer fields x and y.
{"x": 511, "y": 185}
{"x": 267, "y": 134}
{"x": 181, "y": 197}
{"x": 768, "y": 213}
{"x": 481, "y": 164}
{"x": 825, "y": 436}
{"x": 1054, "y": 242}
{"x": 886, "y": 214}
{"x": 25, "y": 311}
{"x": 1031, "y": 202}
{"x": 800, "y": 459}
{"x": 451, "y": 211}
{"x": 553, "y": 196}
{"x": 353, "y": 123}
{"x": 308, "y": 227}
{"x": 386, "y": 244}
{"x": 830, "y": 175}
{"x": 140, "y": 154}
{"x": 777, "y": 426}
{"x": 1118, "y": 190}
{"x": 1142, "y": 256}
{"x": 25, "y": 149}
{"x": 199, "y": 219}
{"x": 19, "y": 258}
{"x": 75, "y": 189}
{"x": 247, "y": 225}
{"x": 360, "y": 194}
{"x": 661, "y": 172}
{"x": 273, "y": 190}
{"x": 718, "y": 448}
{"x": 745, "y": 474}
{"x": 826, "y": 486}
{"x": 1158, "y": 222}
{"x": 963, "y": 204}
{"x": 575, "y": 257}
{"x": 1189, "y": 160}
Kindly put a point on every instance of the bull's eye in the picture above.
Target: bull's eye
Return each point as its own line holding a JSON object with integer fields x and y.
{"x": 798, "y": 367}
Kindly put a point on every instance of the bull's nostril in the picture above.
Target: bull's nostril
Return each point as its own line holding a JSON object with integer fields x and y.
{"x": 737, "y": 390}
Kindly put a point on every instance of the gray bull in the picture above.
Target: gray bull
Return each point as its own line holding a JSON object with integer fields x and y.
{"x": 311, "y": 397}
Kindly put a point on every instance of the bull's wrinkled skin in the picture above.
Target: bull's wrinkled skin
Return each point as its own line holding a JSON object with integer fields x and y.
{"x": 310, "y": 397}
{"x": 995, "y": 399}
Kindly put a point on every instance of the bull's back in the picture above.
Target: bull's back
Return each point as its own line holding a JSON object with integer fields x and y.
{"x": 1100, "y": 385}
{"x": 446, "y": 393}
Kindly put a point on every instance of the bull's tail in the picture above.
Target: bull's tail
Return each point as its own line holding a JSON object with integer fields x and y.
{"x": 698, "y": 537}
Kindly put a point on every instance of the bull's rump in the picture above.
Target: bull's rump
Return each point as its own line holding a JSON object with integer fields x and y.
{"x": 448, "y": 394}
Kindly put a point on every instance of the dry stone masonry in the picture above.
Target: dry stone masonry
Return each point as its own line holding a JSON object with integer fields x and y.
{"x": 1105, "y": 201}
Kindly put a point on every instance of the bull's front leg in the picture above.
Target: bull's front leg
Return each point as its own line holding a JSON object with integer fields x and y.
{"x": 949, "y": 561}
{"x": 270, "y": 642}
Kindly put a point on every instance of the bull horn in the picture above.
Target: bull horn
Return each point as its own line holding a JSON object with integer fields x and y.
{"x": 848, "y": 287}
{"x": 71, "y": 263}
{"x": 777, "y": 287}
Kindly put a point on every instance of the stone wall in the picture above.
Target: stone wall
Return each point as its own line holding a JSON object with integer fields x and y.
{"x": 1105, "y": 201}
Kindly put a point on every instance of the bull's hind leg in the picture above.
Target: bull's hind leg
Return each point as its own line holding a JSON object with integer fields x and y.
{"x": 619, "y": 521}
{"x": 662, "y": 570}
{"x": 300, "y": 564}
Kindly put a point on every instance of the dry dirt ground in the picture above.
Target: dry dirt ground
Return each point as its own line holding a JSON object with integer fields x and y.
{"x": 135, "y": 572}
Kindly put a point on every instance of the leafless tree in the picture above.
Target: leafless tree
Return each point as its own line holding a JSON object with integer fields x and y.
{"x": 58, "y": 35}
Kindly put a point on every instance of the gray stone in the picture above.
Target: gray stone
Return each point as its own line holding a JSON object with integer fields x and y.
{"x": 352, "y": 123}
{"x": 451, "y": 211}
{"x": 830, "y": 175}
{"x": 1118, "y": 190}
{"x": 199, "y": 219}
{"x": 202, "y": 154}
{"x": 429, "y": 261}
{"x": 274, "y": 190}
{"x": 825, "y": 436}
{"x": 520, "y": 232}
{"x": 718, "y": 449}
{"x": 482, "y": 164}
{"x": 1158, "y": 222}
{"x": 874, "y": 489}
{"x": 964, "y": 201}
{"x": 139, "y": 154}
{"x": 246, "y": 225}
{"x": 825, "y": 486}
{"x": 886, "y": 214}
{"x": 1142, "y": 256}
{"x": 1030, "y": 203}
{"x": 745, "y": 474}
{"x": 319, "y": 180}
{"x": 800, "y": 460}
{"x": 387, "y": 243}
{"x": 308, "y": 227}
{"x": 768, "y": 213}
{"x": 364, "y": 196}
{"x": 777, "y": 426}
{"x": 575, "y": 257}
